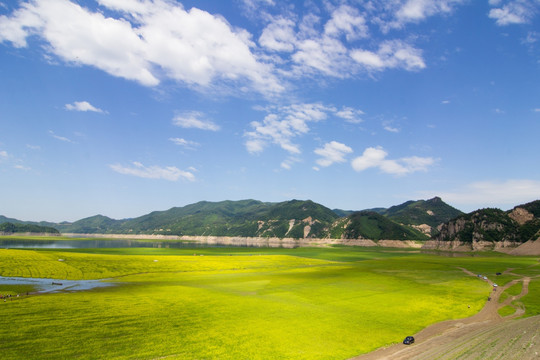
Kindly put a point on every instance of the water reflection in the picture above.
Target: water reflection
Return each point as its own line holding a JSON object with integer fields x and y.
{"x": 127, "y": 243}
{"x": 53, "y": 285}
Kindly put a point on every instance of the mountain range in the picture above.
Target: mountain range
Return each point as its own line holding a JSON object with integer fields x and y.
{"x": 412, "y": 220}
{"x": 431, "y": 219}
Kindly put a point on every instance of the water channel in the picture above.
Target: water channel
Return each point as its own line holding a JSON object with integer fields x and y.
{"x": 53, "y": 285}
{"x": 128, "y": 243}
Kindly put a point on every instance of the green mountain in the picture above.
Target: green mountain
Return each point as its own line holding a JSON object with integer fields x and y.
{"x": 89, "y": 225}
{"x": 374, "y": 226}
{"x": 13, "y": 228}
{"x": 249, "y": 218}
{"x": 295, "y": 219}
{"x": 423, "y": 215}
{"x": 520, "y": 224}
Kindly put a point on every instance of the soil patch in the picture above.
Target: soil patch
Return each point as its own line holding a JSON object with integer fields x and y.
{"x": 485, "y": 335}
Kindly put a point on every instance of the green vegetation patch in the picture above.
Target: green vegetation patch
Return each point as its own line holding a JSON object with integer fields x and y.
{"x": 531, "y": 301}
{"x": 320, "y": 303}
{"x": 506, "y": 310}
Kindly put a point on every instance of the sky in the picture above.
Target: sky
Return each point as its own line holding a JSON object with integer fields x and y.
{"x": 123, "y": 107}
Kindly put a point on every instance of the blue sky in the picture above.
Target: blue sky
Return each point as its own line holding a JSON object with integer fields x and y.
{"x": 122, "y": 107}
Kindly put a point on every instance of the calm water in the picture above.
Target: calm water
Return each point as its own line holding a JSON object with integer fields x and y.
{"x": 91, "y": 244}
{"x": 126, "y": 243}
{"x": 53, "y": 285}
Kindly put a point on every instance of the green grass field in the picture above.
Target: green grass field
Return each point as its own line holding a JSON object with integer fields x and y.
{"x": 239, "y": 303}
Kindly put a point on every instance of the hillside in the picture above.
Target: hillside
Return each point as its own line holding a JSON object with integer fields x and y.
{"x": 248, "y": 218}
{"x": 14, "y": 228}
{"x": 294, "y": 219}
{"x": 423, "y": 215}
{"x": 374, "y": 226}
{"x": 518, "y": 225}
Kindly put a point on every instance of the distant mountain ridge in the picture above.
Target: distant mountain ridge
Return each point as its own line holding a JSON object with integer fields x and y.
{"x": 292, "y": 219}
{"x": 519, "y": 225}
{"x": 17, "y": 228}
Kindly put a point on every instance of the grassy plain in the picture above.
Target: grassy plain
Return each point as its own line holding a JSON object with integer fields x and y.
{"x": 239, "y": 303}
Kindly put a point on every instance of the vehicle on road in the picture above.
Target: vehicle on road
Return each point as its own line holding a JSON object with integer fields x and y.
{"x": 409, "y": 340}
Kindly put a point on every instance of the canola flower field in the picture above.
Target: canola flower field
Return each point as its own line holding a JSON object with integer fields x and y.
{"x": 240, "y": 303}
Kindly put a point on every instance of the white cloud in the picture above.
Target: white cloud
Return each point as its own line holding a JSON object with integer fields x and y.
{"x": 194, "y": 120}
{"x": 283, "y": 124}
{"x": 322, "y": 50}
{"x": 332, "y": 152}
{"x": 325, "y": 55}
{"x": 279, "y": 35}
{"x": 82, "y": 106}
{"x": 3, "y": 155}
{"x": 148, "y": 41}
{"x": 61, "y": 138}
{"x": 22, "y": 167}
{"x": 536, "y": 110}
{"x": 185, "y": 143}
{"x": 391, "y": 54}
{"x": 346, "y": 20}
{"x": 415, "y": 10}
{"x": 350, "y": 115}
{"x": 397, "y": 14}
{"x": 289, "y": 162}
{"x": 513, "y": 11}
{"x": 376, "y": 158}
{"x": 137, "y": 169}
{"x": 387, "y": 125}
{"x": 505, "y": 194}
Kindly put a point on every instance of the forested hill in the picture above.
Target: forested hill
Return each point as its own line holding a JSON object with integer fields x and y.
{"x": 14, "y": 228}
{"x": 294, "y": 219}
{"x": 520, "y": 224}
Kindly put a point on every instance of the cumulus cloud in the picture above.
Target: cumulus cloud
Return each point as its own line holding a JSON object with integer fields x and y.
{"x": 347, "y": 21}
{"x": 3, "y": 155}
{"x": 391, "y": 54}
{"x": 415, "y": 10}
{"x": 82, "y": 106}
{"x": 506, "y": 194}
{"x": 350, "y": 115}
{"x": 148, "y": 41}
{"x": 330, "y": 47}
{"x": 332, "y": 152}
{"x": 513, "y": 11}
{"x": 282, "y": 124}
{"x": 279, "y": 35}
{"x": 137, "y": 169}
{"x": 377, "y": 158}
{"x": 194, "y": 120}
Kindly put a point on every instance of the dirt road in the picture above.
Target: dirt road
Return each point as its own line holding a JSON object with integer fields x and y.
{"x": 483, "y": 336}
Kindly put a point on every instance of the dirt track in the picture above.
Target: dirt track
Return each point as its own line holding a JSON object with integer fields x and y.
{"x": 483, "y": 336}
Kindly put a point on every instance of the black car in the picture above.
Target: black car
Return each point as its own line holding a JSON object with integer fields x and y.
{"x": 408, "y": 340}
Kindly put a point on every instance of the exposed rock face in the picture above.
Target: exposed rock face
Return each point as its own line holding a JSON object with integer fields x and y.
{"x": 491, "y": 225}
{"x": 456, "y": 245}
{"x": 520, "y": 215}
{"x": 424, "y": 228}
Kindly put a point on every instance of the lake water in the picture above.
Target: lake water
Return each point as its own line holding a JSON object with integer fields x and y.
{"x": 127, "y": 243}
{"x": 92, "y": 244}
{"x": 53, "y": 285}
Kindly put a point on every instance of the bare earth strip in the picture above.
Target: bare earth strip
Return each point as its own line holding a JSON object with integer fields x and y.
{"x": 485, "y": 335}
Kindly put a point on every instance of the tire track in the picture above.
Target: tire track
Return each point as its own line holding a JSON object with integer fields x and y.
{"x": 485, "y": 335}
